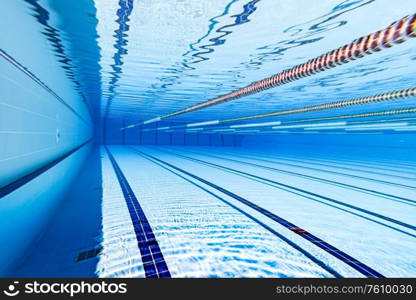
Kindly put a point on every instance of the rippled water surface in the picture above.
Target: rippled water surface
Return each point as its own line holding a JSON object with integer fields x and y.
{"x": 155, "y": 57}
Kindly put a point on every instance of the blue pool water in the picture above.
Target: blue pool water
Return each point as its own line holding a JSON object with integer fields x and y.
{"x": 118, "y": 160}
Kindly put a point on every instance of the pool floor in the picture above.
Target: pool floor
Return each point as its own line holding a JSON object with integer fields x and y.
{"x": 152, "y": 211}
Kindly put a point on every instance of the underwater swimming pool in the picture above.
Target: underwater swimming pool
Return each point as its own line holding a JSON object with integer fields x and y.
{"x": 224, "y": 138}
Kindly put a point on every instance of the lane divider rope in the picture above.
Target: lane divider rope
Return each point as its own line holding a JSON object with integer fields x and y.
{"x": 388, "y": 96}
{"x": 383, "y": 113}
{"x": 397, "y": 33}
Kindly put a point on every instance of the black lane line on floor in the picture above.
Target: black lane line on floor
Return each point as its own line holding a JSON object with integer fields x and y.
{"x": 380, "y": 164}
{"x": 342, "y": 256}
{"x": 335, "y": 165}
{"x": 154, "y": 263}
{"x": 355, "y": 176}
{"x": 336, "y": 183}
{"x": 282, "y": 237}
{"x": 318, "y": 201}
{"x": 350, "y": 160}
{"x": 11, "y": 187}
{"x": 348, "y": 175}
{"x": 299, "y": 190}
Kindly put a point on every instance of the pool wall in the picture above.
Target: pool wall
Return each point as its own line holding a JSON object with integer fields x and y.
{"x": 42, "y": 118}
